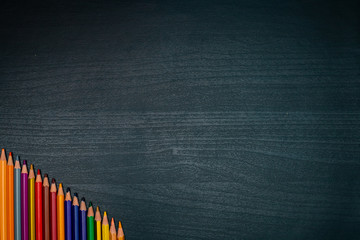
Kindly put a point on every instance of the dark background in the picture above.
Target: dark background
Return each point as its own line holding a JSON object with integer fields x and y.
{"x": 191, "y": 119}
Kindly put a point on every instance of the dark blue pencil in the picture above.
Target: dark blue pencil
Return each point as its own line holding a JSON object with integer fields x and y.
{"x": 67, "y": 207}
{"x": 76, "y": 230}
{"x": 83, "y": 220}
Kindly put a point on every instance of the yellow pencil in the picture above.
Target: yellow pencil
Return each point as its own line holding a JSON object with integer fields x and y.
{"x": 60, "y": 213}
{"x": 31, "y": 203}
{"x": 105, "y": 228}
{"x": 10, "y": 176}
{"x": 98, "y": 223}
{"x": 3, "y": 198}
{"x": 120, "y": 234}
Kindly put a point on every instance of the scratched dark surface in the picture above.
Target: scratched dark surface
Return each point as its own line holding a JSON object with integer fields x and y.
{"x": 191, "y": 120}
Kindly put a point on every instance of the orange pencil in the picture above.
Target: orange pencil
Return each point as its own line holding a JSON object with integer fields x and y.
{"x": 38, "y": 207}
{"x": 120, "y": 234}
{"x": 60, "y": 213}
{"x": 3, "y": 197}
{"x": 10, "y": 175}
{"x": 112, "y": 230}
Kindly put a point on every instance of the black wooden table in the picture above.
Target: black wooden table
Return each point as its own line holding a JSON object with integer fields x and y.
{"x": 191, "y": 120}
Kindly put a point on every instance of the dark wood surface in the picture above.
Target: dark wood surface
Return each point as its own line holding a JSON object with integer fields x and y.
{"x": 191, "y": 120}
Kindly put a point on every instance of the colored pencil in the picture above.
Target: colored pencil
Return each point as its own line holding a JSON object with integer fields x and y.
{"x": 31, "y": 203}
{"x": 60, "y": 213}
{"x": 98, "y": 223}
{"x": 53, "y": 211}
{"x": 24, "y": 203}
{"x": 105, "y": 228}
{"x": 17, "y": 199}
{"x": 46, "y": 207}
{"x": 112, "y": 230}
{"x": 10, "y": 176}
{"x": 90, "y": 223}
{"x": 38, "y": 206}
{"x": 3, "y": 197}
{"x": 83, "y": 219}
{"x": 68, "y": 215}
{"x": 120, "y": 233}
{"x": 76, "y": 230}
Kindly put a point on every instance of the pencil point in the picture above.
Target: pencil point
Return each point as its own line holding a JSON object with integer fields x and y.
{"x": 68, "y": 189}
{"x": 60, "y": 185}
{"x": 76, "y": 195}
{"x": 53, "y": 180}
{"x": 105, "y": 214}
{"x": 38, "y": 172}
{"x": 17, "y": 158}
{"x": 32, "y": 166}
{"x": 83, "y": 199}
{"x": 120, "y": 225}
{"x": 10, "y": 153}
{"x": 90, "y": 204}
{"x": 46, "y": 175}
{"x": 24, "y": 162}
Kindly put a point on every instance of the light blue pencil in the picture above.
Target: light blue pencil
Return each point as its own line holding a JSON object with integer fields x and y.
{"x": 17, "y": 201}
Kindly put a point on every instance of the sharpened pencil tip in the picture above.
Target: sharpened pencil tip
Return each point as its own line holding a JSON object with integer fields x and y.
{"x": 60, "y": 185}
{"x": 17, "y": 158}
{"x": 38, "y": 172}
{"x": 10, "y": 154}
{"x": 90, "y": 204}
{"x": 68, "y": 189}
{"x": 105, "y": 214}
{"x": 46, "y": 175}
{"x": 53, "y": 180}
{"x": 97, "y": 208}
{"x": 32, "y": 166}
{"x": 83, "y": 199}
{"x": 76, "y": 195}
{"x": 24, "y": 162}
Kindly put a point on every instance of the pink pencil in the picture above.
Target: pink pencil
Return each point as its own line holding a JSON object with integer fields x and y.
{"x": 24, "y": 203}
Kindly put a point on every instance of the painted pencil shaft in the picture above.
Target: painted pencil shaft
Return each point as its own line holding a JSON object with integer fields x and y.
{"x": 38, "y": 207}
{"x": 17, "y": 200}
{"x": 76, "y": 228}
{"x": 68, "y": 210}
{"x": 24, "y": 203}
{"x": 105, "y": 228}
{"x": 31, "y": 203}
{"x": 53, "y": 211}
{"x": 3, "y": 196}
{"x": 60, "y": 213}
{"x": 90, "y": 223}
{"x": 120, "y": 233}
{"x": 10, "y": 176}
{"x": 97, "y": 224}
{"x": 46, "y": 207}
{"x": 83, "y": 233}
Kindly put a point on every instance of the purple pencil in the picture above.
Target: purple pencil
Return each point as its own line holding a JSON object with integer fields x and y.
{"x": 24, "y": 203}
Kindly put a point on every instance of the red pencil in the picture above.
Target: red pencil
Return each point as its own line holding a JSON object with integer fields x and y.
{"x": 53, "y": 211}
{"x": 38, "y": 207}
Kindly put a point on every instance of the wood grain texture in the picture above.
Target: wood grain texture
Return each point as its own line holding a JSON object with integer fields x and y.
{"x": 191, "y": 120}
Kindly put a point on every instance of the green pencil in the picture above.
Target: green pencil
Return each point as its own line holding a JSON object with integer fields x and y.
{"x": 90, "y": 223}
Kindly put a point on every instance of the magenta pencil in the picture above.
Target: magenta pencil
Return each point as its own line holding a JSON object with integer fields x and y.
{"x": 24, "y": 203}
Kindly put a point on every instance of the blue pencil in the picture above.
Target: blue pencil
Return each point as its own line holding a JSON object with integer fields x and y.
{"x": 76, "y": 230}
{"x": 17, "y": 200}
{"x": 67, "y": 207}
{"x": 83, "y": 216}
